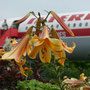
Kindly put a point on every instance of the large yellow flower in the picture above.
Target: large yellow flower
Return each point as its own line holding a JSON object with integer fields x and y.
{"x": 61, "y": 54}
{"x": 44, "y": 45}
{"x": 20, "y": 48}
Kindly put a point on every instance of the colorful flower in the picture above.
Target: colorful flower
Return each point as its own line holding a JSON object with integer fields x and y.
{"x": 61, "y": 54}
{"x": 82, "y": 77}
{"x": 20, "y": 49}
{"x": 44, "y": 45}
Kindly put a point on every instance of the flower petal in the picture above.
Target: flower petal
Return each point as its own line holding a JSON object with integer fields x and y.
{"x": 74, "y": 81}
{"x": 82, "y": 75}
{"x": 60, "y": 21}
{"x": 69, "y": 49}
{"x": 61, "y": 55}
{"x": 27, "y": 49}
{"x": 54, "y": 44}
{"x": 23, "y": 19}
{"x": 45, "y": 33}
{"x": 13, "y": 41}
{"x": 21, "y": 67}
{"x": 54, "y": 33}
{"x": 45, "y": 54}
{"x": 18, "y": 51}
{"x": 2, "y": 52}
{"x": 36, "y": 41}
{"x": 22, "y": 70}
{"x": 34, "y": 51}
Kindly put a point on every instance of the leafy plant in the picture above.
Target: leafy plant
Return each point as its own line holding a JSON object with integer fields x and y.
{"x": 35, "y": 85}
{"x": 9, "y": 75}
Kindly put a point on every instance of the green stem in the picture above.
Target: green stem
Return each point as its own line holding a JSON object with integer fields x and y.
{"x": 58, "y": 76}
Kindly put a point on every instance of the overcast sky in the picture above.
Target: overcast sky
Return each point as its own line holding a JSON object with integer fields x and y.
{"x": 17, "y": 8}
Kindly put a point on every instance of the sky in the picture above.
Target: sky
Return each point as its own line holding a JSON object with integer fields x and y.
{"x": 18, "y": 8}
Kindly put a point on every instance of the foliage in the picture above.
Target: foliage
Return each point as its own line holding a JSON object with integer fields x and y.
{"x": 9, "y": 75}
{"x": 52, "y": 55}
{"x": 82, "y": 67}
{"x": 34, "y": 64}
{"x": 35, "y": 85}
{"x": 71, "y": 69}
{"x": 75, "y": 68}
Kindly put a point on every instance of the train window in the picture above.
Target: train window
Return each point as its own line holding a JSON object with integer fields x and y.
{"x": 26, "y": 27}
{"x": 74, "y": 25}
{"x": 51, "y": 26}
{"x": 68, "y": 25}
{"x": 80, "y": 24}
{"x": 57, "y": 26}
{"x": 86, "y": 24}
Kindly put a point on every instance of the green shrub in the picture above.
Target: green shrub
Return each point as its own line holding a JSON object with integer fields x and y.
{"x": 9, "y": 75}
{"x": 35, "y": 85}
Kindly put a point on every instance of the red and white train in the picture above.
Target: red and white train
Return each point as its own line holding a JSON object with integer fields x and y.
{"x": 78, "y": 22}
